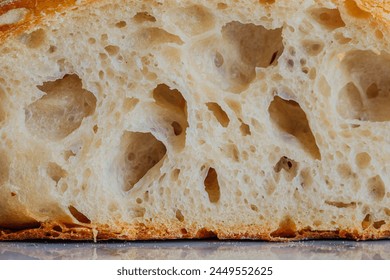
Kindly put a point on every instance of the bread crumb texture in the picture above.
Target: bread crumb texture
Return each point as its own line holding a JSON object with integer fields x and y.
{"x": 191, "y": 119}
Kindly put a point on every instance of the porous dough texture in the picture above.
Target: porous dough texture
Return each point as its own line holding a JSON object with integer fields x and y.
{"x": 191, "y": 119}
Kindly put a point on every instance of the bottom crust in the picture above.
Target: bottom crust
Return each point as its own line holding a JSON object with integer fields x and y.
{"x": 53, "y": 231}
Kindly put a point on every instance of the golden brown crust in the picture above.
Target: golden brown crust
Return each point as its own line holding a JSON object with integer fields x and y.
{"x": 376, "y": 8}
{"x": 379, "y": 11}
{"x": 36, "y": 11}
{"x": 54, "y": 231}
{"x": 376, "y": 11}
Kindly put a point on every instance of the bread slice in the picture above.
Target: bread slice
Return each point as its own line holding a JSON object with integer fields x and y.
{"x": 158, "y": 119}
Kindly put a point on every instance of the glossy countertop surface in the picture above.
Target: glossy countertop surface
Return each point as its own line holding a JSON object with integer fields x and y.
{"x": 196, "y": 249}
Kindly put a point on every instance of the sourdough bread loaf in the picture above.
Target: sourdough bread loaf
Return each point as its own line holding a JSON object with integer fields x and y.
{"x": 191, "y": 119}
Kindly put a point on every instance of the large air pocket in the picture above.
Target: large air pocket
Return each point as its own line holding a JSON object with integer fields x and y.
{"x": 366, "y": 94}
{"x": 61, "y": 110}
{"x": 142, "y": 152}
{"x": 289, "y": 117}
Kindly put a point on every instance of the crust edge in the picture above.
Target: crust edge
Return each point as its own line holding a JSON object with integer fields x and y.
{"x": 53, "y": 231}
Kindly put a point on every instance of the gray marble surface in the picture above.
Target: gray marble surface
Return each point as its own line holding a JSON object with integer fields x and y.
{"x": 195, "y": 249}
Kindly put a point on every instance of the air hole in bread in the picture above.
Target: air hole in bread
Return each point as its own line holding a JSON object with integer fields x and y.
{"x": 146, "y": 196}
{"x": 167, "y": 97}
{"x": 104, "y": 37}
{"x": 139, "y": 212}
{"x": 55, "y": 172}
{"x": 218, "y": 59}
{"x": 103, "y": 56}
{"x": 176, "y": 106}
{"x": 68, "y": 154}
{"x": 61, "y": 64}
{"x": 269, "y": 2}
{"x": 161, "y": 179}
{"x": 121, "y": 24}
{"x": 350, "y": 105}
{"x": 290, "y": 63}
{"x": 328, "y": 18}
{"x": 212, "y": 186}
{"x": 129, "y": 103}
{"x": 91, "y": 40}
{"x": 78, "y": 215}
{"x": 142, "y": 152}
{"x": 20, "y": 223}
{"x": 269, "y": 187}
{"x": 113, "y": 207}
{"x": 235, "y": 105}
{"x": 305, "y": 70}
{"x": 61, "y": 110}
{"x": 101, "y": 75}
{"x": 379, "y": 34}
{"x": 366, "y": 96}
{"x": 231, "y": 59}
{"x": 289, "y": 166}
{"x": 179, "y": 216}
{"x": 290, "y": 118}
{"x": 344, "y": 171}
{"x": 142, "y": 17}
{"x": 95, "y": 128}
{"x": 218, "y": 113}
{"x": 312, "y": 48}
{"x": 312, "y": 74}
{"x": 277, "y": 77}
{"x": 57, "y": 228}
{"x": 52, "y": 49}
{"x": 248, "y": 180}
{"x": 354, "y": 10}
{"x": 175, "y": 174}
{"x": 367, "y": 221}
{"x": 205, "y": 233}
{"x": 232, "y": 152}
{"x": 87, "y": 173}
{"x": 112, "y": 50}
{"x": 177, "y": 129}
{"x": 378, "y": 224}
{"x": 222, "y": 6}
{"x": 248, "y": 46}
{"x": 63, "y": 186}
{"x": 376, "y": 188}
{"x": 245, "y": 129}
{"x": 292, "y": 51}
{"x": 363, "y": 160}
{"x": 306, "y": 178}
{"x": 286, "y": 229}
{"x": 35, "y": 39}
{"x": 341, "y": 39}
{"x": 152, "y": 36}
{"x": 372, "y": 91}
{"x": 192, "y": 20}
{"x": 339, "y": 204}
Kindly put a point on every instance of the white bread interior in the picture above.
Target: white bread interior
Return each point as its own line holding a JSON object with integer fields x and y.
{"x": 245, "y": 118}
